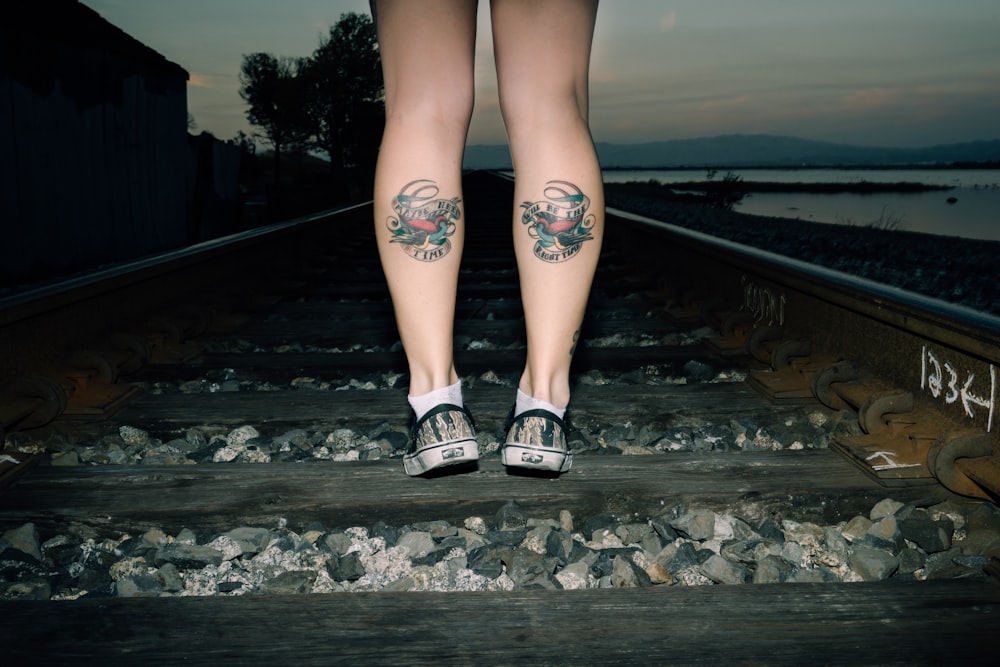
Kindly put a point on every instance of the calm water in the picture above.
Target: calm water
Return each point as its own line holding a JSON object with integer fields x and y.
{"x": 975, "y": 215}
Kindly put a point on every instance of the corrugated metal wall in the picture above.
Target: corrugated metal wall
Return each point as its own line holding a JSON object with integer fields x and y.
{"x": 95, "y": 160}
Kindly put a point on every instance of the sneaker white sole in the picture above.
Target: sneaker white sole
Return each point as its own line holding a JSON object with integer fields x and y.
{"x": 440, "y": 455}
{"x": 535, "y": 458}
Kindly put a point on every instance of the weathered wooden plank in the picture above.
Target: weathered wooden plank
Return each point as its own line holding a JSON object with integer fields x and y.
{"x": 914, "y": 623}
{"x": 305, "y": 409}
{"x": 333, "y": 310}
{"x": 809, "y": 485}
{"x": 284, "y": 366}
{"x": 345, "y": 331}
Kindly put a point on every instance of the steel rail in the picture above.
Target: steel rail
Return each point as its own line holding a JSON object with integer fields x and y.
{"x": 36, "y": 299}
{"x": 56, "y": 338}
{"x": 928, "y": 377}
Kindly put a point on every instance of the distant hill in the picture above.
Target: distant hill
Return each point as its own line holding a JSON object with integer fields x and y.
{"x": 756, "y": 150}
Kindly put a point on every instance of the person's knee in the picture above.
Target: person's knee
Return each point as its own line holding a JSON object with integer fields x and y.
{"x": 554, "y": 108}
{"x": 451, "y": 109}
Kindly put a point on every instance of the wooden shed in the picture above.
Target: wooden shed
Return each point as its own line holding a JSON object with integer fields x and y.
{"x": 94, "y": 153}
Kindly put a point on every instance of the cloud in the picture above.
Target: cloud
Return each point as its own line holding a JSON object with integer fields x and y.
{"x": 669, "y": 21}
{"x": 200, "y": 80}
{"x": 870, "y": 99}
{"x": 726, "y": 102}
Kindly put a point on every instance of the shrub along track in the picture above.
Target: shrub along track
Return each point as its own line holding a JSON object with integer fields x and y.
{"x": 758, "y": 341}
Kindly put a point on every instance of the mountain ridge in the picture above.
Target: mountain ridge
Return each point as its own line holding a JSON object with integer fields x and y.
{"x": 757, "y": 150}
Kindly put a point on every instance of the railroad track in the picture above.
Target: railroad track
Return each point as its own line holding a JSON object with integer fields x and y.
{"x": 255, "y": 384}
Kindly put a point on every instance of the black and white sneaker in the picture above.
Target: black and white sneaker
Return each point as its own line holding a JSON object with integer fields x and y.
{"x": 445, "y": 436}
{"x": 536, "y": 439}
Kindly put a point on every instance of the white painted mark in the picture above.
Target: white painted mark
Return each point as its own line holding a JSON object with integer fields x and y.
{"x": 890, "y": 462}
{"x": 944, "y": 381}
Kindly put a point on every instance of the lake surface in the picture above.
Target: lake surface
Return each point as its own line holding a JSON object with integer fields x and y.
{"x": 975, "y": 214}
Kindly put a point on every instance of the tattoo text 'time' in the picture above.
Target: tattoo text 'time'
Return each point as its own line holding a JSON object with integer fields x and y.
{"x": 423, "y": 221}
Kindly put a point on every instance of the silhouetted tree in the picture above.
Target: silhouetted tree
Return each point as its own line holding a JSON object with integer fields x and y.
{"x": 269, "y": 85}
{"x": 344, "y": 98}
{"x": 726, "y": 193}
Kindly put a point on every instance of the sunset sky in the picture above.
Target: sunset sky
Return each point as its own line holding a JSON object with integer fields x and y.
{"x": 870, "y": 72}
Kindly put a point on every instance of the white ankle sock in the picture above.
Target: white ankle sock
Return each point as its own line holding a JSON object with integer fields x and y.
{"x": 525, "y": 403}
{"x": 423, "y": 403}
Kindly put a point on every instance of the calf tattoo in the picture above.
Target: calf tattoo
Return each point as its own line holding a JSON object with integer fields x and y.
{"x": 560, "y": 222}
{"x": 423, "y": 222}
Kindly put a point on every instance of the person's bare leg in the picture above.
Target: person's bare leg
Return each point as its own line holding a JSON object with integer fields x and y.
{"x": 427, "y": 51}
{"x": 543, "y": 54}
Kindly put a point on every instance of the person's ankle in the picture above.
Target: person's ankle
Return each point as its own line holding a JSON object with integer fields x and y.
{"x": 423, "y": 403}
{"x": 524, "y": 402}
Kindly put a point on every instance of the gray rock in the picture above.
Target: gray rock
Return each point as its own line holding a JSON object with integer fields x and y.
{"x": 981, "y": 540}
{"x": 510, "y": 517}
{"x": 722, "y": 571}
{"x": 930, "y": 535}
{"x": 911, "y": 560}
{"x": 619, "y": 436}
{"x": 509, "y": 538}
{"x": 139, "y": 585}
{"x": 884, "y": 508}
{"x": 417, "y": 543}
{"x": 680, "y": 557}
{"x": 65, "y": 459}
{"x": 772, "y": 570}
{"x": 29, "y": 589}
{"x": 742, "y": 551}
{"x": 836, "y": 542}
{"x": 770, "y": 530}
{"x": 290, "y": 582}
{"x": 661, "y": 524}
{"x": 345, "y": 568}
{"x": 698, "y": 371}
{"x": 652, "y": 544}
{"x": 803, "y": 575}
{"x": 389, "y": 533}
{"x": 371, "y": 454}
{"x": 713, "y": 438}
{"x": 984, "y": 515}
{"x": 973, "y": 561}
{"x": 169, "y": 578}
{"x": 940, "y": 561}
{"x": 728, "y": 526}
{"x": 885, "y": 534}
{"x": 25, "y": 539}
{"x": 574, "y": 576}
{"x": 983, "y": 531}
{"x": 872, "y": 564}
{"x": 625, "y": 574}
{"x": 252, "y": 540}
{"x": 188, "y": 556}
{"x": 648, "y": 435}
{"x": 338, "y": 543}
{"x": 15, "y": 565}
{"x": 60, "y": 550}
{"x": 131, "y": 435}
{"x": 794, "y": 553}
{"x": 697, "y": 525}
{"x": 437, "y": 529}
{"x": 856, "y": 528}
{"x": 632, "y": 533}
{"x": 559, "y": 545}
{"x": 487, "y": 560}
{"x": 525, "y": 566}
{"x": 186, "y": 536}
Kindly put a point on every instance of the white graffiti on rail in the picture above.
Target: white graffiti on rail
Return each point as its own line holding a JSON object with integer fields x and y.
{"x": 944, "y": 381}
